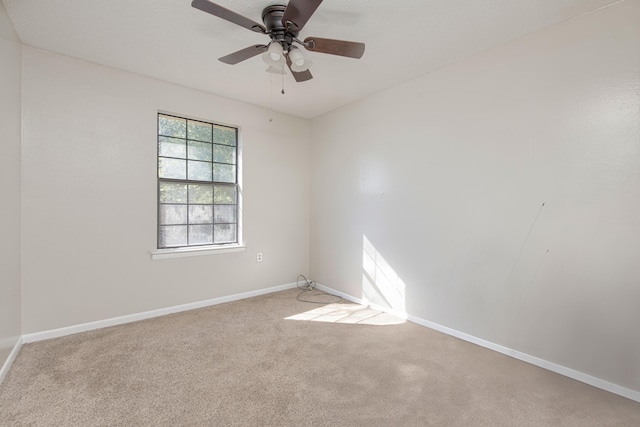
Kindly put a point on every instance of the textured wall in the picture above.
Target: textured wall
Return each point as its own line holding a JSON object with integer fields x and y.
{"x": 428, "y": 197}
{"x": 10, "y": 64}
{"x": 89, "y": 195}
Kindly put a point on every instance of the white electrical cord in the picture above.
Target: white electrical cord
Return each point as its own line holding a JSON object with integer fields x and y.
{"x": 308, "y": 287}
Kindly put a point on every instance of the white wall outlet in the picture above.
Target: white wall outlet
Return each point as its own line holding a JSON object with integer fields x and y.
{"x": 259, "y": 257}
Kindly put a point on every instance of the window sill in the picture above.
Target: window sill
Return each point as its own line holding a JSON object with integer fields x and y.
{"x": 203, "y": 250}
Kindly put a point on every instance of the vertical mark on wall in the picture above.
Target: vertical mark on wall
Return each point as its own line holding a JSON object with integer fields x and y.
{"x": 535, "y": 276}
{"x": 524, "y": 244}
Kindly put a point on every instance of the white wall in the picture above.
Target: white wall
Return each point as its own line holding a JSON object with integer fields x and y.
{"x": 10, "y": 65}
{"x": 89, "y": 195}
{"x": 428, "y": 197}
{"x": 7, "y": 31}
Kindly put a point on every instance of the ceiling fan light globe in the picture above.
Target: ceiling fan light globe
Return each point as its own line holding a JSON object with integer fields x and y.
{"x": 300, "y": 68}
{"x": 296, "y": 56}
{"x": 275, "y": 70}
{"x": 266, "y": 57}
{"x": 275, "y": 51}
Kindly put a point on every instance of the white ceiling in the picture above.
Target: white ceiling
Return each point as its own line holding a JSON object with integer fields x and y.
{"x": 170, "y": 40}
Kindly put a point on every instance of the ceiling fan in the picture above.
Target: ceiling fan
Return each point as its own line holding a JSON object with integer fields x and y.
{"x": 282, "y": 24}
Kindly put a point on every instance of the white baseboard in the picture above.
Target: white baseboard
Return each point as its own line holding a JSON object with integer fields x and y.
{"x": 545, "y": 364}
{"x": 69, "y": 330}
{"x": 10, "y": 359}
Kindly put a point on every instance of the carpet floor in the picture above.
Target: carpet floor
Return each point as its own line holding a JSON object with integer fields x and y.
{"x": 276, "y": 361}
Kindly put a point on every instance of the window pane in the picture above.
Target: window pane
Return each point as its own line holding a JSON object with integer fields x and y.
{"x": 199, "y": 171}
{"x": 171, "y": 147}
{"x": 199, "y": 150}
{"x": 173, "y": 214}
{"x": 225, "y": 213}
{"x": 224, "y": 233}
{"x": 200, "y": 194}
{"x": 172, "y": 168}
{"x": 224, "y": 173}
{"x": 172, "y": 126}
{"x": 224, "y": 154}
{"x": 173, "y": 193}
{"x": 173, "y": 235}
{"x": 199, "y": 131}
{"x": 200, "y": 214}
{"x": 200, "y": 234}
{"x": 225, "y": 194}
{"x": 224, "y": 135}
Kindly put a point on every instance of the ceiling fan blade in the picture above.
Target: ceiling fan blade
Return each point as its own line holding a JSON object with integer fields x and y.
{"x": 241, "y": 55}
{"x": 302, "y": 76}
{"x": 299, "y": 11}
{"x": 228, "y": 15}
{"x": 335, "y": 47}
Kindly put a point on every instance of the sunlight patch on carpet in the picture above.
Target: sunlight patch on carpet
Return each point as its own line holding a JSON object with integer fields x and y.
{"x": 348, "y": 313}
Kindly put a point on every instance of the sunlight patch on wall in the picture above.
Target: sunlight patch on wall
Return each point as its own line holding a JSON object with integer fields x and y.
{"x": 348, "y": 313}
{"x": 381, "y": 285}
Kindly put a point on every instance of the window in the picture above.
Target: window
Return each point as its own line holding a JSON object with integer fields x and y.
{"x": 197, "y": 183}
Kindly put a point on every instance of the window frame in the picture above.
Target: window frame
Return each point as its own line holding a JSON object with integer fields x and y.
{"x": 209, "y": 247}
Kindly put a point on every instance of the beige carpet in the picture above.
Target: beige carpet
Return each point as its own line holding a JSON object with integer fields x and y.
{"x": 276, "y": 361}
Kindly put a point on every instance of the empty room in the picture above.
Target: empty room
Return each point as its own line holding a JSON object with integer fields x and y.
{"x": 320, "y": 212}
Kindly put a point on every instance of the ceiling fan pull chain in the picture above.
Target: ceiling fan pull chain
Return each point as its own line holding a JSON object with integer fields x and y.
{"x": 282, "y": 84}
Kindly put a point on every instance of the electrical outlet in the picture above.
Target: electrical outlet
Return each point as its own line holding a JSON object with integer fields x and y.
{"x": 259, "y": 257}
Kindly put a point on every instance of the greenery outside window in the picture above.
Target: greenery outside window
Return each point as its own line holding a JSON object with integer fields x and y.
{"x": 197, "y": 183}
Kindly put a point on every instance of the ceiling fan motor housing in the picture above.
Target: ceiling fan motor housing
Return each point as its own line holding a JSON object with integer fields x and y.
{"x": 272, "y": 18}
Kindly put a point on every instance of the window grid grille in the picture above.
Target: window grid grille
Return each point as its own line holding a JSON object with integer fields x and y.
{"x": 196, "y": 207}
